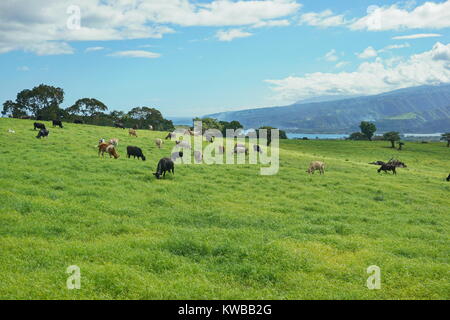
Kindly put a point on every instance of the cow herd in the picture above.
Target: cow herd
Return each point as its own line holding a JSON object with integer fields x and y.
{"x": 167, "y": 164}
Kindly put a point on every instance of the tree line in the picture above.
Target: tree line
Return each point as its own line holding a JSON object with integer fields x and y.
{"x": 43, "y": 103}
{"x": 368, "y": 130}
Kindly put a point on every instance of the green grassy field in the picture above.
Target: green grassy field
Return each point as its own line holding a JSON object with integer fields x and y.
{"x": 219, "y": 231}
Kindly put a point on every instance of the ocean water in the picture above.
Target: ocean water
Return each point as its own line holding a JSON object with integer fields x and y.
{"x": 322, "y": 136}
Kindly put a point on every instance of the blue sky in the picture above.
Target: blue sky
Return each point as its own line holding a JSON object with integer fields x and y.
{"x": 191, "y": 58}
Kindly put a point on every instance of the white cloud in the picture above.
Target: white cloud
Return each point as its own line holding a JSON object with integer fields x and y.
{"x": 91, "y": 49}
{"x": 430, "y": 67}
{"x": 229, "y": 35}
{"x": 369, "y": 52}
{"x": 331, "y": 56}
{"x": 136, "y": 54}
{"x": 23, "y": 68}
{"x": 417, "y": 36}
{"x": 40, "y": 26}
{"x": 323, "y": 19}
{"x": 272, "y": 23}
{"x": 429, "y": 15}
{"x": 341, "y": 64}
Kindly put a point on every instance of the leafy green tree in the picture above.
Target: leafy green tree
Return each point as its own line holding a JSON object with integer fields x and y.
{"x": 42, "y": 102}
{"x": 87, "y": 107}
{"x": 13, "y": 109}
{"x": 357, "y": 136}
{"x": 145, "y": 116}
{"x": 282, "y": 134}
{"x": 368, "y": 129}
{"x": 234, "y": 125}
{"x": 392, "y": 136}
{"x": 209, "y": 123}
{"x": 446, "y": 137}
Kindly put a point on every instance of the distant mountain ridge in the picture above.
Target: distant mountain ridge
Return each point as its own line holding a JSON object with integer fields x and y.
{"x": 424, "y": 109}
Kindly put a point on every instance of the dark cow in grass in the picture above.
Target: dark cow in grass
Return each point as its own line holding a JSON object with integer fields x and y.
{"x": 164, "y": 165}
{"x": 57, "y": 123}
{"x": 38, "y": 125}
{"x": 77, "y": 121}
{"x": 135, "y": 152}
{"x": 43, "y": 133}
{"x": 119, "y": 125}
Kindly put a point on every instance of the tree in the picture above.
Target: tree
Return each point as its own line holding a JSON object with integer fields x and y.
{"x": 87, "y": 107}
{"x": 357, "y": 136}
{"x": 282, "y": 134}
{"x": 368, "y": 129}
{"x": 209, "y": 123}
{"x": 234, "y": 125}
{"x": 145, "y": 116}
{"x": 13, "y": 109}
{"x": 392, "y": 136}
{"x": 42, "y": 102}
{"x": 446, "y": 137}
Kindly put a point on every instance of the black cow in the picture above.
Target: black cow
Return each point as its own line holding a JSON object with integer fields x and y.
{"x": 448, "y": 178}
{"x": 38, "y": 125}
{"x": 77, "y": 121}
{"x": 164, "y": 165}
{"x": 135, "y": 127}
{"x": 57, "y": 123}
{"x": 119, "y": 125}
{"x": 391, "y": 165}
{"x": 43, "y": 133}
{"x": 135, "y": 152}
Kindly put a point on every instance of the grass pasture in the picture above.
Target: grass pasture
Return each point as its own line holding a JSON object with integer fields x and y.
{"x": 219, "y": 231}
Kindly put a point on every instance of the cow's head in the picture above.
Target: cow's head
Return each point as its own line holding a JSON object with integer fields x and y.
{"x": 157, "y": 175}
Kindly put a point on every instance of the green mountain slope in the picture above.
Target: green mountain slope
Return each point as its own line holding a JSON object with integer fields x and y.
{"x": 422, "y": 109}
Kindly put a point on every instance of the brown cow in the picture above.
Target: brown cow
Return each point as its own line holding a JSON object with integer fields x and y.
{"x": 132, "y": 132}
{"x": 316, "y": 165}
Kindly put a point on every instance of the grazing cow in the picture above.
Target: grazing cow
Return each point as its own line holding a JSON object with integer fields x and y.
{"x": 132, "y": 132}
{"x": 159, "y": 143}
{"x": 448, "y": 178}
{"x": 135, "y": 152}
{"x": 114, "y": 142}
{"x": 119, "y": 125}
{"x": 25, "y": 117}
{"x": 389, "y": 166}
{"x": 257, "y": 148}
{"x": 316, "y": 165}
{"x": 176, "y": 155}
{"x": 241, "y": 150}
{"x": 164, "y": 165}
{"x": 150, "y": 127}
{"x": 38, "y": 125}
{"x": 171, "y": 135}
{"x": 43, "y": 133}
{"x": 57, "y": 123}
{"x": 198, "y": 156}
{"x": 77, "y": 121}
{"x": 183, "y": 144}
{"x": 109, "y": 148}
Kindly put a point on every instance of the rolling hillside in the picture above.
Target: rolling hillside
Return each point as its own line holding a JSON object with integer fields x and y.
{"x": 218, "y": 231}
{"x": 423, "y": 109}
